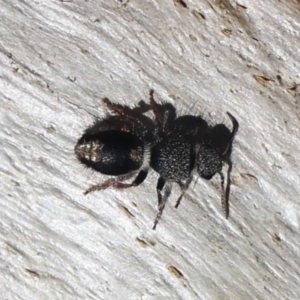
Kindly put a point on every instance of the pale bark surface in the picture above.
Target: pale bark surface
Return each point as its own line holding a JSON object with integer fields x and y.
{"x": 58, "y": 59}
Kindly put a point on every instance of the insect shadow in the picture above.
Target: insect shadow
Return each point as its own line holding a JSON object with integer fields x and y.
{"x": 126, "y": 143}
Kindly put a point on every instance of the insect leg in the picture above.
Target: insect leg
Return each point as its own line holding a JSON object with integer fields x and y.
{"x": 183, "y": 187}
{"x": 115, "y": 183}
{"x": 161, "y": 199}
{"x": 224, "y": 196}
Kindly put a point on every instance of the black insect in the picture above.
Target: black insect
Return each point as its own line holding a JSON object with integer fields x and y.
{"x": 187, "y": 145}
{"x": 118, "y": 145}
{"x": 128, "y": 142}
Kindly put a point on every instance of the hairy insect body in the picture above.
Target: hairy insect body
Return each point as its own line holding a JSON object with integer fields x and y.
{"x": 127, "y": 143}
{"x": 187, "y": 145}
{"x": 89, "y": 151}
{"x": 118, "y": 145}
{"x": 165, "y": 155}
{"x": 208, "y": 161}
{"x": 173, "y": 157}
{"x": 111, "y": 152}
